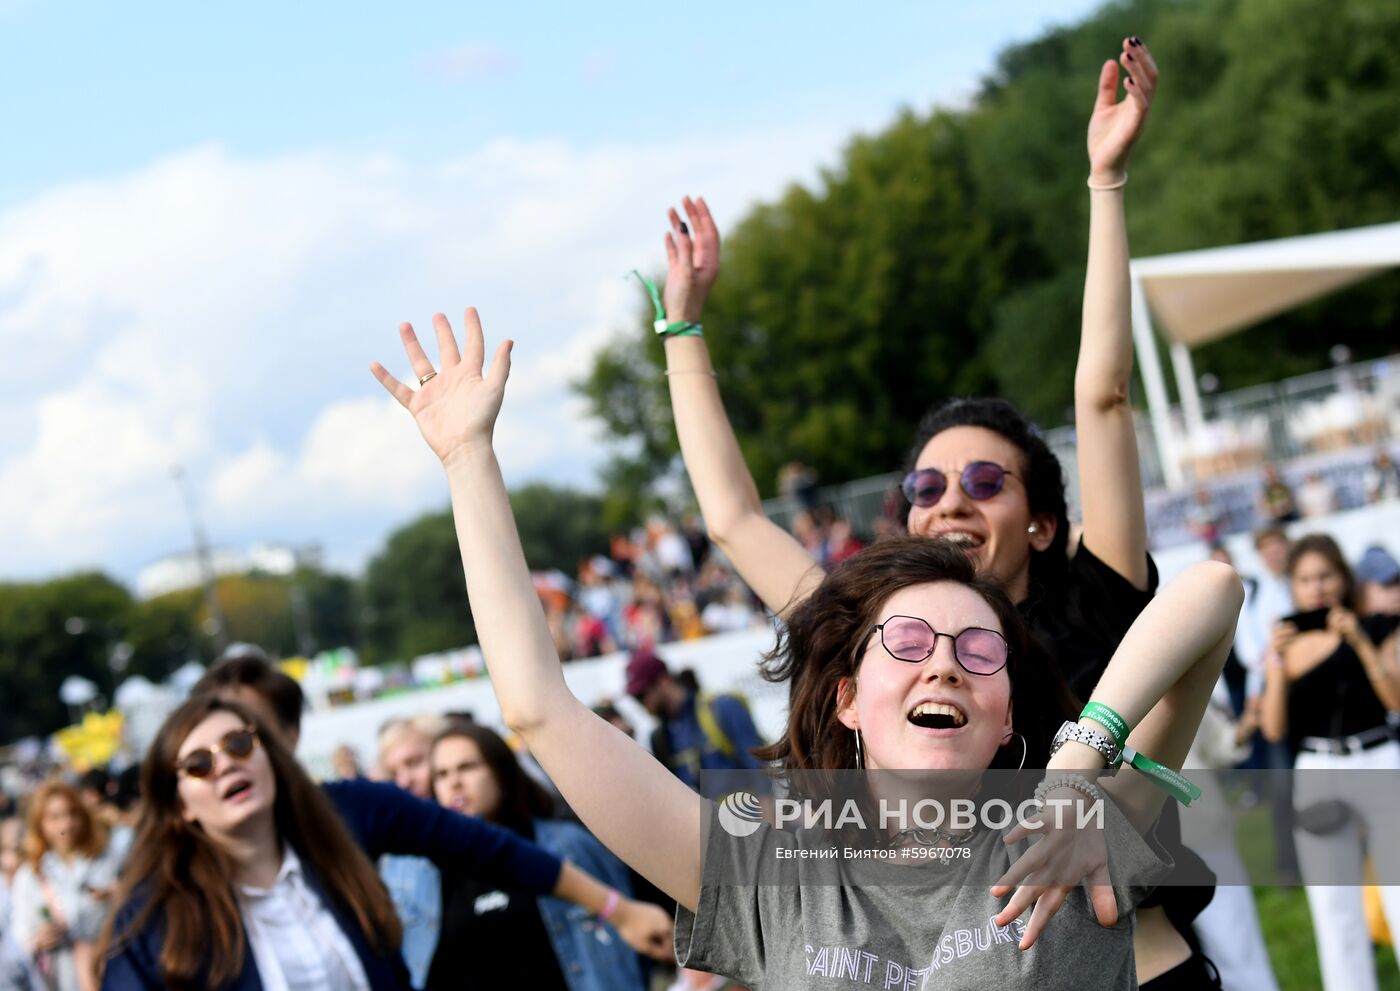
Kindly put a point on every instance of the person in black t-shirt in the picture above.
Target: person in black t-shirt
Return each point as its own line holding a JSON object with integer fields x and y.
{"x": 496, "y": 937}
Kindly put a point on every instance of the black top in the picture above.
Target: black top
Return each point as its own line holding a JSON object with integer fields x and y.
{"x": 1082, "y": 622}
{"x": 492, "y": 937}
{"x": 1335, "y": 699}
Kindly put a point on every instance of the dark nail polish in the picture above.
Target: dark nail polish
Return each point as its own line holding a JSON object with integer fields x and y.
{"x": 684, "y": 228}
{"x": 1135, "y": 40}
{"x": 1130, "y": 57}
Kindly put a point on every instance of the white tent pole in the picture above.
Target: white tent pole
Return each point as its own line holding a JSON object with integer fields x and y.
{"x": 1159, "y": 409}
{"x": 1186, "y": 388}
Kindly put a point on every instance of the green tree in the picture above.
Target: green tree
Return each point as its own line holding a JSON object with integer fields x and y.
{"x": 559, "y": 527}
{"x": 164, "y": 633}
{"x": 49, "y": 631}
{"x": 945, "y": 254}
{"x": 415, "y": 595}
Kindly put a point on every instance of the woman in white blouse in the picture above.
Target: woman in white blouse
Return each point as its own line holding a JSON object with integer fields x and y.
{"x": 242, "y": 876}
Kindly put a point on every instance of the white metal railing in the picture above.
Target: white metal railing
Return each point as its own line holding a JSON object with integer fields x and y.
{"x": 1326, "y": 421}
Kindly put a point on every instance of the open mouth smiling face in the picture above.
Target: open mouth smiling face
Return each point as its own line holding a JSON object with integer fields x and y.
{"x": 934, "y": 713}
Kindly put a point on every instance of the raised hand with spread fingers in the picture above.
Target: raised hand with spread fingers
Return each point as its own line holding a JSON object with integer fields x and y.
{"x": 455, "y": 406}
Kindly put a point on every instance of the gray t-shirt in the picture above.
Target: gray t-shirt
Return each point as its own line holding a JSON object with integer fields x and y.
{"x": 822, "y": 930}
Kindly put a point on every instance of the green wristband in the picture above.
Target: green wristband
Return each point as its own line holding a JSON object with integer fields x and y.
{"x": 1110, "y": 720}
{"x": 663, "y": 327}
{"x": 1174, "y": 783}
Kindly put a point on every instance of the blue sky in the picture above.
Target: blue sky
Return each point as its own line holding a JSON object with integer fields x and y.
{"x": 211, "y": 220}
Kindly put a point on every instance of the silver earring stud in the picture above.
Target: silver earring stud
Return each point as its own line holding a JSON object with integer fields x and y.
{"x": 1032, "y": 528}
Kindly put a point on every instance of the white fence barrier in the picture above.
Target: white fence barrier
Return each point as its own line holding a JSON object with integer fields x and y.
{"x": 724, "y": 663}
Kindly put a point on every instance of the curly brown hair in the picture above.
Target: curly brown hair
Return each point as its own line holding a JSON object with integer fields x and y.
{"x": 91, "y": 840}
{"x": 824, "y": 634}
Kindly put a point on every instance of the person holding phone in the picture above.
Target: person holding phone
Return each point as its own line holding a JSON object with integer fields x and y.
{"x": 1330, "y": 681}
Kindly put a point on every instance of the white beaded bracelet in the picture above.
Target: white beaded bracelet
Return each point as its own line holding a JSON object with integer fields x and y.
{"x": 1076, "y": 782}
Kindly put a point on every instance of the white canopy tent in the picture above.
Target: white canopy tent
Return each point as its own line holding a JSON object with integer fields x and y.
{"x": 1201, "y": 296}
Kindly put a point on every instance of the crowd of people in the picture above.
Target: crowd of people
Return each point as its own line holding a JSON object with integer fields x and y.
{"x": 1276, "y": 501}
{"x": 659, "y": 584}
{"x": 979, "y": 638}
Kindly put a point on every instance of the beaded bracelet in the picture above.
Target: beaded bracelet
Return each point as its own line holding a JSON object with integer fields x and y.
{"x": 1076, "y": 782}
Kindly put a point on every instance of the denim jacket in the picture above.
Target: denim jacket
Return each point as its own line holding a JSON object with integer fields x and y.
{"x": 592, "y": 956}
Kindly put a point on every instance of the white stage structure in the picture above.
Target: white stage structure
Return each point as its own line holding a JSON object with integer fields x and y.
{"x": 1201, "y": 296}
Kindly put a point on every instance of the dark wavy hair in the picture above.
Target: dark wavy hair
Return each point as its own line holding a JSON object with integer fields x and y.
{"x": 186, "y": 881}
{"x": 821, "y": 641}
{"x": 523, "y": 799}
{"x": 1040, "y": 470}
{"x": 246, "y": 666}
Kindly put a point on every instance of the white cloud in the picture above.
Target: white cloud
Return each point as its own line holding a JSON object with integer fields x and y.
{"x": 222, "y": 312}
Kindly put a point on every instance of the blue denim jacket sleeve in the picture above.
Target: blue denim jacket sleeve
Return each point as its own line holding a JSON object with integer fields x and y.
{"x": 592, "y": 956}
{"x": 415, "y": 887}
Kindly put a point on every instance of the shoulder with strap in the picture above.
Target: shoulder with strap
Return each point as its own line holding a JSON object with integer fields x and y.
{"x": 710, "y": 722}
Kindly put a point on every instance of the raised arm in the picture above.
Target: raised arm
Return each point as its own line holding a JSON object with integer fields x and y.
{"x": 1110, "y": 481}
{"x": 1160, "y": 680}
{"x": 767, "y": 557}
{"x": 634, "y": 805}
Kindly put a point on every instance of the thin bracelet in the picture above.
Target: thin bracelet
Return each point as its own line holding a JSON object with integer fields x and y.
{"x": 610, "y": 905}
{"x": 1107, "y": 186}
{"x": 691, "y": 371}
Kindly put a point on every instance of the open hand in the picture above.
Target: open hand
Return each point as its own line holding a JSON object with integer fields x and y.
{"x": 455, "y": 407}
{"x": 1116, "y": 124}
{"x": 646, "y": 928}
{"x": 692, "y": 261}
{"x": 1064, "y": 857}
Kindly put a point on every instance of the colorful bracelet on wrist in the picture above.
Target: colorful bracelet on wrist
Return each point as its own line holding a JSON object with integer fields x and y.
{"x": 610, "y": 905}
{"x": 1172, "y": 782}
{"x": 663, "y": 326}
{"x": 1109, "y": 720}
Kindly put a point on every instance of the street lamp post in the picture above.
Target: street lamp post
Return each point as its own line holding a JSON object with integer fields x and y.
{"x": 218, "y": 628}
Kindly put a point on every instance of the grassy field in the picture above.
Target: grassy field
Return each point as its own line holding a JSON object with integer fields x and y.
{"x": 1283, "y": 912}
{"x": 1284, "y": 916}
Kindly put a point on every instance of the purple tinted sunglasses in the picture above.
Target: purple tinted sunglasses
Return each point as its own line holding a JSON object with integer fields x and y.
{"x": 980, "y": 480}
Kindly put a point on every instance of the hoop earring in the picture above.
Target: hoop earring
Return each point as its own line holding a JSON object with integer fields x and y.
{"x": 860, "y": 756}
{"x": 1023, "y": 750}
